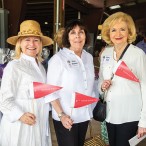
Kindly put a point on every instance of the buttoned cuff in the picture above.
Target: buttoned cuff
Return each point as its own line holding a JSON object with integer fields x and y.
{"x": 142, "y": 121}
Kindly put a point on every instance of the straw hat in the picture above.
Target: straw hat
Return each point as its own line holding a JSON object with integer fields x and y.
{"x": 30, "y": 28}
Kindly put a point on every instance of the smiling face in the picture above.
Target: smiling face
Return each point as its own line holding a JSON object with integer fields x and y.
{"x": 77, "y": 39}
{"x": 31, "y": 46}
{"x": 119, "y": 33}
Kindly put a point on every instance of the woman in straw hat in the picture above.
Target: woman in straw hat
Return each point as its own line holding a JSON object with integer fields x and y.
{"x": 25, "y": 120}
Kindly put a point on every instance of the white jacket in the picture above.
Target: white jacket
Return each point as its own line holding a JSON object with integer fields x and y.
{"x": 16, "y": 100}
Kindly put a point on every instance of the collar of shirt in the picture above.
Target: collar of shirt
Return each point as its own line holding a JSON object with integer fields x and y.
{"x": 32, "y": 59}
{"x": 72, "y": 52}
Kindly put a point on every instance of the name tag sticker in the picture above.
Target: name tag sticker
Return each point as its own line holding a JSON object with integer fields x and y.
{"x": 106, "y": 59}
{"x": 72, "y": 63}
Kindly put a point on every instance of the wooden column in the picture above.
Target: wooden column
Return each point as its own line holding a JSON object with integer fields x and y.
{"x": 59, "y": 8}
{"x": 16, "y": 10}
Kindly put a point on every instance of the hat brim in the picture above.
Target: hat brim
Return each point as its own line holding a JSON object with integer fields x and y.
{"x": 46, "y": 41}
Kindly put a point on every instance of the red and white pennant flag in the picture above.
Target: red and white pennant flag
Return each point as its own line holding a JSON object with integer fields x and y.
{"x": 80, "y": 100}
{"x": 122, "y": 70}
{"x": 39, "y": 90}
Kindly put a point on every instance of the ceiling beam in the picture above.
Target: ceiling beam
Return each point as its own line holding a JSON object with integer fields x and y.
{"x": 109, "y": 3}
{"x": 76, "y": 6}
{"x": 96, "y": 3}
{"x": 39, "y": 1}
{"x": 132, "y": 10}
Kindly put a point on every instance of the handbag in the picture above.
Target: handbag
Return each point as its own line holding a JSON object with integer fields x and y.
{"x": 99, "y": 111}
{"x": 94, "y": 140}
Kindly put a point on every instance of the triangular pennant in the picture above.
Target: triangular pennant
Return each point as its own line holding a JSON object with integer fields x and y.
{"x": 122, "y": 70}
{"x": 80, "y": 100}
{"x": 41, "y": 89}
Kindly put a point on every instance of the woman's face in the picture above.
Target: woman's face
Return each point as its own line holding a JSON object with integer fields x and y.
{"x": 119, "y": 33}
{"x": 30, "y": 46}
{"x": 77, "y": 39}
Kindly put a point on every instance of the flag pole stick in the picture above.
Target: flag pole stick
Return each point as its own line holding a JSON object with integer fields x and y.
{"x": 33, "y": 105}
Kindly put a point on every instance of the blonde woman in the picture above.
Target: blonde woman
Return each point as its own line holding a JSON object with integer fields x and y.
{"x": 58, "y": 37}
{"x": 25, "y": 119}
{"x": 126, "y": 104}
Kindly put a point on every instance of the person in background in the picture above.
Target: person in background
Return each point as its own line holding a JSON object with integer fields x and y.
{"x": 25, "y": 119}
{"x": 142, "y": 44}
{"x": 126, "y": 104}
{"x": 46, "y": 55}
{"x": 71, "y": 68}
{"x": 58, "y": 37}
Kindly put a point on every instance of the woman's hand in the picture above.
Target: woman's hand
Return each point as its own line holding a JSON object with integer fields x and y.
{"x": 105, "y": 85}
{"x": 141, "y": 132}
{"x": 28, "y": 118}
{"x": 66, "y": 121}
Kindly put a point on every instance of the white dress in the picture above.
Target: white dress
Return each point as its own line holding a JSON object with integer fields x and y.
{"x": 16, "y": 100}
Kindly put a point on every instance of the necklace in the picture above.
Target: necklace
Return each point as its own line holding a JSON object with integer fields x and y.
{"x": 115, "y": 56}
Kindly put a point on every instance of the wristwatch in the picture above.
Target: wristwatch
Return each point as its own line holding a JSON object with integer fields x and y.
{"x": 61, "y": 114}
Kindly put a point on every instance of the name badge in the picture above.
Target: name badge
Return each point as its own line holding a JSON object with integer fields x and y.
{"x": 106, "y": 59}
{"x": 73, "y": 63}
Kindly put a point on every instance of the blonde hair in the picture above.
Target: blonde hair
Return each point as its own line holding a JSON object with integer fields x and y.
{"x": 18, "y": 50}
{"x": 114, "y": 18}
{"x": 58, "y": 37}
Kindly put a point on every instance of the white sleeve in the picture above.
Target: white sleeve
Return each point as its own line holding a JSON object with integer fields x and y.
{"x": 53, "y": 76}
{"x": 7, "y": 95}
{"x": 141, "y": 72}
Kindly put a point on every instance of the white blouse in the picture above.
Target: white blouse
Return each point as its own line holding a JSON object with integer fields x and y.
{"x": 126, "y": 99}
{"x": 74, "y": 74}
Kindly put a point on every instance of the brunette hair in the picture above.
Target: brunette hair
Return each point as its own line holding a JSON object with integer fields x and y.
{"x": 72, "y": 24}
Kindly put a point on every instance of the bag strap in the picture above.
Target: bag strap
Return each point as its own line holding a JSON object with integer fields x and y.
{"x": 122, "y": 56}
{"x": 105, "y": 93}
{"x": 124, "y": 52}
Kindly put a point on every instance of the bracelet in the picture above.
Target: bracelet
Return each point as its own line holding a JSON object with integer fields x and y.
{"x": 61, "y": 114}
